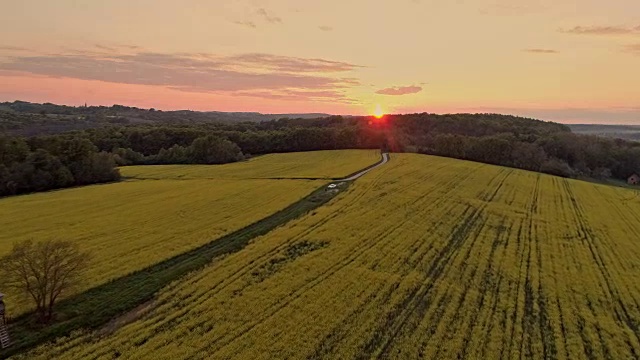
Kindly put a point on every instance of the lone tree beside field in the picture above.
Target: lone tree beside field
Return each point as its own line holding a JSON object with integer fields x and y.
{"x": 43, "y": 271}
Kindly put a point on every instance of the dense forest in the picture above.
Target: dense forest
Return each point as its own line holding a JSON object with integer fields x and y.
{"x": 28, "y": 165}
{"x": 91, "y": 154}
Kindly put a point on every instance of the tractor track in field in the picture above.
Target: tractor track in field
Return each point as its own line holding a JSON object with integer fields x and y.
{"x": 260, "y": 260}
{"x": 331, "y": 271}
{"x": 436, "y": 259}
{"x": 86, "y": 310}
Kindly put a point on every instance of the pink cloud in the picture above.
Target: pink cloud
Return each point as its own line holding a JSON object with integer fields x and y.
{"x": 401, "y": 90}
{"x": 332, "y": 96}
{"x": 27, "y": 87}
{"x": 286, "y": 77}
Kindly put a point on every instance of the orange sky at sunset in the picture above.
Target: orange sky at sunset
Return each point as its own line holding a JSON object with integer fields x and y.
{"x": 563, "y": 60}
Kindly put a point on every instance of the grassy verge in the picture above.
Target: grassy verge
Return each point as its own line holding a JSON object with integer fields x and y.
{"x": 97, "y": 306}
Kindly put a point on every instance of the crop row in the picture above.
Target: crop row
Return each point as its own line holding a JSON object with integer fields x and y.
{"x": 423, "y": 258}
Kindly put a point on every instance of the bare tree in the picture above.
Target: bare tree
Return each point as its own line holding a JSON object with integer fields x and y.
{"x": 43, "y": 271}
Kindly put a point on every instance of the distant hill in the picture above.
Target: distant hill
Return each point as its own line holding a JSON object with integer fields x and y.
{"x": 626, "y": 132}
{"x": 25, "y": 118}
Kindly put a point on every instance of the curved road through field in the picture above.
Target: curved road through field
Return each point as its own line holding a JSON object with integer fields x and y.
{"x": 385, "y": 159}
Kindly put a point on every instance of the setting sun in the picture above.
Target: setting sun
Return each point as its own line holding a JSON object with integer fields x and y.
{"x": 378, "y": 113}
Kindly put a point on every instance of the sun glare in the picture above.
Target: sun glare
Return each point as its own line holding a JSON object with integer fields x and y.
{"x": 378, "y": 113}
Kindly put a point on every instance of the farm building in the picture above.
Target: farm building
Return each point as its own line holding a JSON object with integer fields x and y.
{"x": 634, "y": 179}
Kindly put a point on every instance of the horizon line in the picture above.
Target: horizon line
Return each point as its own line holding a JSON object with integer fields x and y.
{"x": 564, "y": 122}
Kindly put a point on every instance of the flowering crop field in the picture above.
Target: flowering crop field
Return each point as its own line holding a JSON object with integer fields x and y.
{"x": 314, "y": 164}
{"x": 129, "y": 225}
{"x": 424, "y": 257}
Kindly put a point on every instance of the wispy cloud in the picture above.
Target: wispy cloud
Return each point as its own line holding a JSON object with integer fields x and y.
{"x": 260, "y": 75}
{"x": 325, "y": 28}
{"x": 104, "y": 47}
{"x": 301, "y": 95}
{"x": 269, "y": 18}
{"x": 131, "y": 47}
{"x": 288, "y": 63}
{"x": 262, "y": 14}
{"x": 602, "y": 30}
{"x": 514, "y": 8}
{"x": 116, "y": 47}
{"x": 400, "y": 90}
{"x": 249, "y": 24}
{"x": 541, "y": 51}
{"x": 634, "y": 49}
{"x": 13, "y": 48}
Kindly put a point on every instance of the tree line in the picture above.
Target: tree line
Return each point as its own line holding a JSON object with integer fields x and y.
{"x": 59, "y": 161}
{"x": 92, "y": 155}
{"x": 521, "y": 143}
{"x": 33, "y": 165}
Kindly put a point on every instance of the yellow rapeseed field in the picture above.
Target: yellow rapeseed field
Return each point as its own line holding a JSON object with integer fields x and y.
{"x": 132, "y": 224}
{"x": 424, "y": 257}
{"x": 314, "y": 164}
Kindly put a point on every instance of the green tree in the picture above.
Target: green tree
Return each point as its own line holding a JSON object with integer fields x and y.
{"x": 174, "y": 155}
{"x": 13, "y": 149}
{"x": 213, "y": 150}
{"x": 97, "y": 167}
{"x": 48, "y": 172}
{"x": 126, "y": 156}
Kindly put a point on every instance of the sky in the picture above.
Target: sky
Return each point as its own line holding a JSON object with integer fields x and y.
{"x": 574, "y": 61}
